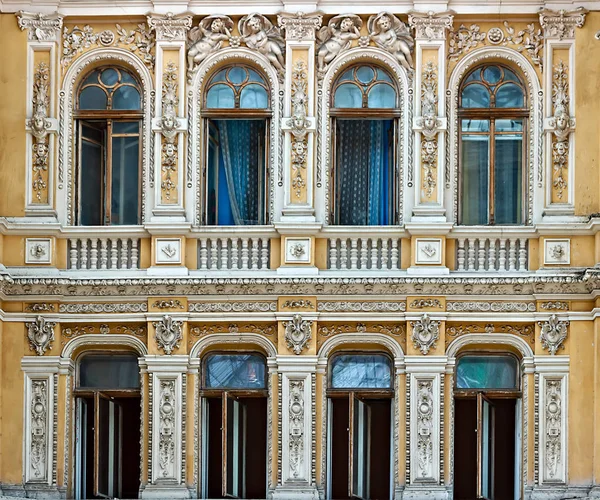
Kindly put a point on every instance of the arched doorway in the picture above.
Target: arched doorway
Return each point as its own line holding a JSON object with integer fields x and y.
{"x": 107, "y": 426}
{"x": 487, "y": 426}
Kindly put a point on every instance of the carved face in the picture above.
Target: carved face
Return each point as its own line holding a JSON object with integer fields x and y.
{"x": 562, "y": 121}
{"x": 298, "y": 122}
{"x": 561, "y": 147}
{"x": 168, "y": 122}
{"x": 384, "y": 23}
{"x": 217, "y": 26}
{"x": 254, "y": 24}
{"x": 40, "y": 149}
{"x": 38, "y": 122}
{"x": 346, "y": 24}
{"x": 429, "y": 147}
{"x": 169, "y": 149}
{"x": 429, "y": 122}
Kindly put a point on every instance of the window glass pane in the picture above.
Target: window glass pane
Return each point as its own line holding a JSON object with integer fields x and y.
{"x": 509, "y": 95}
{"x": 253, "y": 96}
{"x": 348, "y": 95}
{"x": 361, "y": 371}
{"x": 474, "y": 178}
{"x": 219, "y": 76}
{"x": 126, "y": 127}
{"x": 508, "y": 186}
{"x": 127, "y": 78}
{"x": 364, "y": 172}
{"x": 220, "y": 96}
{"x": 347, "y": 76}
{"x": 509, "y": 125}
{"x": 93, "y": 98}
{"x": 237, "y": 75}
{"x": 365, "y": 74}
{"x": 382, "y": 75}
{"x": 125, "y": 180}
{"x": 510, "y": 76}
{"x": 235, "y": 371}
{"x": 126, "y": 97}
{"x": 92, "y": 77}
{"x": 382, "y": 95}
{"x": 475, "y": 95}
{"x": 487, "y": 372}
{"x": 91, "y": 177}
{"x": 473, "y": 77}
{"x": 492, "y": 74}
{"x": 475, "y": 125}
{"x": 105, "y": 371}
{"x": 109, "y": 77}
{"x": 255, "y": 77}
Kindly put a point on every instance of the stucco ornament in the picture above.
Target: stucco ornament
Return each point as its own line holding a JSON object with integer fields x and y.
{"x": 425, "y": 427}
{"x": 336, "y": 38}
{"x": 430, "y": 25}
{"x": 40, "y": 334}
{"x": 554, "y": 332}
{"x": 297, "y": 333}
{"x": 425, "y": 333}
{"x": 258, "y": 33}
{"x": 168, "y": 127}
{"x": 562, "y": 23}
{"x": 38, "y": 452}
{"x": 299, "y": 26}
{"x": 170, "y": 27}
{"x": 553, "y": 427}
{"x": 561, "y": 122}
{"x": 296, "y": 426}
{"x": 299, "y": 125}
{"x": 168, "y": 333}
{"x": 166, "y": 443}
{"x": 392, "y": 35}
{"x": 40, "y": 27}
{"x": 205, "y": 39}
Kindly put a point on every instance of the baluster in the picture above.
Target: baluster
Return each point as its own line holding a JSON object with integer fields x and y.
{"x": 235, "y": 253}
{"x": 83, "y": 254}
{"x": 492, "y": 255}
{"x": 343, "y": 254}
{"x": 471, "y": 254}
{"x": 384, "y": 254}
{"x": 73, "y": 254}
{"x": 264, "y": 253}
{"x": 203, "y": 253}
{"x": 114, "y": 255}
{"x": 502, "y": 255}
{"x": 523, "y": 254}
{"x": 353, "y": 253}
{"x": 481, "y": 255}
{"x": 134, "y": 253}
{"x": 93, "y": 253}
{"x": 512, "y": 255}
{"x": 244, "y": 253}
{"x": 124, "y": 253}
{"x": 395, "y": 254}
{"x": 374, "y": 253}
{"x": 460, "y": 259}
{"x": 254, "y": 254}
{"x": 214, "y": 254}
{"x": 103, "y": 253}
{"x": 224, "y": 253}
{"x": 364, "y": 253}
{"x": 333, "y": 253}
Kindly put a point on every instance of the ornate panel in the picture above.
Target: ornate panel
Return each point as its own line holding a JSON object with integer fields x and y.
{"x": 552, "y": 415}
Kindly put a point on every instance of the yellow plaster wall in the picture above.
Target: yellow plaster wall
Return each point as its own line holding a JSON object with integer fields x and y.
{"x": 13, "y": 99}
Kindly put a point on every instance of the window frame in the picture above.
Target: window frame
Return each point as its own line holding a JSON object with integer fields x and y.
{"x": 363, "y": 113}
{"x": 92, "y": 391}
{"x": 492, "y": 114}
{"x": 209, "y": 115}
{"x": 361, "y": 392}
{"x": 493, "y": 393}
{"x": 107, "y": 117}
{"x": 224, "y": 391}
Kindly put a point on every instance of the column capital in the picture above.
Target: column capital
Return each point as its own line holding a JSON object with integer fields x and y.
{"x": 170, "y": 27}
{"x": 300, "y": 26}
{"x": 561, "y": 24}
{"x": 430, "y": 25}
{"x": 40, "y": 27}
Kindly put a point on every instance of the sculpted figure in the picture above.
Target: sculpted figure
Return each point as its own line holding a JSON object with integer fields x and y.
{"x": 561, "y": 122}
{"x": 336, "y": 37}
{"x": 207, "y": 38}
{"x": 259, "y": 33}
{"x": 391, "y": 34}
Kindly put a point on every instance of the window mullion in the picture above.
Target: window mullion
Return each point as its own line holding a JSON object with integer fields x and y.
{"x": 492, "y": 170}
{"x": 108, "y": 173}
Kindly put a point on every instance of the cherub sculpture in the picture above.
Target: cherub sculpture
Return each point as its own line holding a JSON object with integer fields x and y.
{"x": 391, "y": 34}
{"x": 259, "y": 34}
{"x": 336, "y": 38}
{"x": 206, "y": 38}
{"x": 561, "y": 123}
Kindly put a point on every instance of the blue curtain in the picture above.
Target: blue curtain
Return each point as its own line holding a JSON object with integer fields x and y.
{"x": 363, "y": 172}
{"x": 240, "y": 143}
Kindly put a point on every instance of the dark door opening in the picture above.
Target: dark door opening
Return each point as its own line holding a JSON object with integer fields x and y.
{"x": 485, "y": 448}
{"x": 360, "y": 447}
{"x": 235, "y": 446}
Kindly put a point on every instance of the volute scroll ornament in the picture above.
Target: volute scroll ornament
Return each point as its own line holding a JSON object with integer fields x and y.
{"x": 554, "y": 333}
{"x": 301, "y": 25}
{"x": 562, "y": 23}
{"x": 298, "y": 333}
{"x": 431, "y": 25}
{"x": 393, "y": 36}
{"x": 425, "y": 333}
{"x": 40, "y": 334}
{"x": 41, "y": 27}
{"x": 168, "y": 333}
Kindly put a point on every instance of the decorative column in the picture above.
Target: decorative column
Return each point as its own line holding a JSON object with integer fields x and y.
{"x": 169, "y": 121}
{"x": 430, "y": 121}
{"x": 43, "y": 33}
{"x": 559, "y": 122}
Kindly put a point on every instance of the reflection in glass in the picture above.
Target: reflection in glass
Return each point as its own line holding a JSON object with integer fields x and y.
{"x": 348, "y": 95}
{"x": 237, "y": 87}
{"x": 475, "y": 95}
{"x": 109, "y": 371}
{"x": 509, "y": 95}
{"x": 220, "y": 96}
{"x": 475, "y": 175}
{"x": 235, "y": 371}
{"x": 487, "y": 372}
{"x": 93, "y": 98}
{"x": 364, "y": 87}
{"x": 382, "y": 96}
{"x": 361, "y": 371}
{"x": 254, "y": 97}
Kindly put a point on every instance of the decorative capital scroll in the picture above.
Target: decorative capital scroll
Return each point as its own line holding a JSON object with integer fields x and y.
{"x": 430, "y": 25}
{"x": 40, "y": 334}
{"x": 168, "y": 333}
{"x": 297, "y": 333}
{"x": 425, "y": 333}
{"x": 170, "y": 27}
{"x": 554, "y": 333}
{"x": 299, "y": 26}
{"x": 40, "y": 27}
{"x": 562, "y": 23}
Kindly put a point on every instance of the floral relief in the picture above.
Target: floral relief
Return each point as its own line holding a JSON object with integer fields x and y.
{"x": 168, "y": 126}
{"x": 166, "y": 429}
{"x": 299, "y": 125}
{"x": 38, "y": 451}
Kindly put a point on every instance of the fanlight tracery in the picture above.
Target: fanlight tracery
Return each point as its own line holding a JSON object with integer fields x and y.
{"x": 109, "y": 88}
{"x": 237, "y": 87}
{"x": 364, "y": 86}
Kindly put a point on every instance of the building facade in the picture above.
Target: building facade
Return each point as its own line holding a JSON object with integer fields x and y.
{"x": 300, "y": 251}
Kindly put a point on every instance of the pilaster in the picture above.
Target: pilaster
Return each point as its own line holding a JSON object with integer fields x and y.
{"x": 430, "y": 123}
{"x": 41, "y": 125}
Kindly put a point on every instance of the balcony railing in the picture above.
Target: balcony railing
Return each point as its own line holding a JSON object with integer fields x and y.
{"x": 104, "y": 253}
{"x": 224, "y": 253}
{"x": 492, "y": 254}
{"x": 375, "y": 253}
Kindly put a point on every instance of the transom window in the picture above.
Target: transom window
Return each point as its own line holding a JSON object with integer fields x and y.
{"x": 235, "y": 371}
{"x": 365, "y": 113}
{"x": 493, "y": 121}
{"x": 108, "y": 118}
{"x": 487, "y": 372}
{"x": 361, "y": 371}
{"x": 237, "y": 117}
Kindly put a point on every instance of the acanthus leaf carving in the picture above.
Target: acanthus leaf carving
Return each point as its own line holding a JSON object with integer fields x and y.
{"x": 168, "y": 333}
{"x": 336, "y": 38}
{"x": 553, "y": 333}
{"x": 553, "y": 437}
{"x": 299, "y": 125}
{"x": 425, "y": 333}
{"x": 430, "y": 25}
{"x": 168, "y": 127}
{"x": 40, "y": 334}
{"x": 298, "y": 333}
{"x": 170, "y": 27}
{"x": 562, "y": 23}
{"x": 392, "y": 35}
{"x": 299, "y": 26}
{"x": 425, "y": 303}
{"x": 40, "y": 27}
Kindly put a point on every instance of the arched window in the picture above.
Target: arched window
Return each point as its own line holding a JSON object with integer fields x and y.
{"x": 364, "y": 111}
{"x": 108, "y": 113}
{"x": 237, "y": 112}
{"x": 493, "y": 124}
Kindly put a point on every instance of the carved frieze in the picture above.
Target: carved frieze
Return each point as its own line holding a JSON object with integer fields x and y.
{"x": 168, "y": 304}
{"x": 296, "y": 428}
{"x": 425, "y": 303}
{"x": 208, "y": 307}
{"x": 557, "y": 305}
{"x": 523, "y": 330}
{"x": 562, "y": 23}
{"x": 299, "y": 26}
{"x": 344, "y": 306}
{"x": 298, "y": 333}
{"x": 168, "y": 333}
{"x": 40, "y": 27}
{"x": 103, "y": 308}
{"x": 505, "y": 307}
{"x": 170, "y": 27}
{"x": 40, "y": 307}
{"x": 553, "y": 333}
{"x": 234, "y": 328}
{"x": 425, "y": 333}
{"x": 298, "y": 304}
{"x": 40, "y": 334}
{"x": 392, "y": 35}
{"x": 430, "y": 25}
